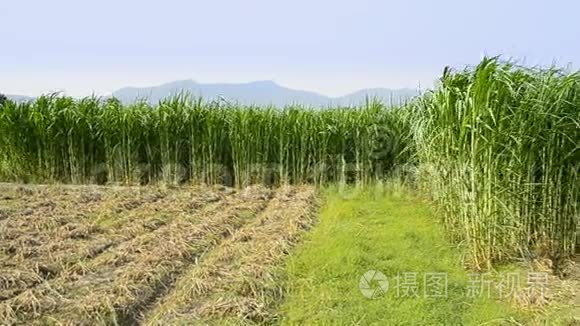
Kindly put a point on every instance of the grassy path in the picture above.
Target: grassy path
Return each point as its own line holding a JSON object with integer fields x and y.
{"x": 393, "y": 234}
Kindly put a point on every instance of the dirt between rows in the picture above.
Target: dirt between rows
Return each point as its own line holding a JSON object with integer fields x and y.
{"x": 94, "y": 255}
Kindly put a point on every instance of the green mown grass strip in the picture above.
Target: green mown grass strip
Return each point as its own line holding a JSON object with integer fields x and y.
{"x": 392, "y": 233}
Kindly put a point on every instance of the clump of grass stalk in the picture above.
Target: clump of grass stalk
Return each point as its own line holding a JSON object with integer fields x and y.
{"x": 498, "y": 146}
{"x": 183, "y": 139}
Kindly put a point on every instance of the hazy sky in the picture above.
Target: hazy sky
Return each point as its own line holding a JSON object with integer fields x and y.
{"x": 332, "y": 47}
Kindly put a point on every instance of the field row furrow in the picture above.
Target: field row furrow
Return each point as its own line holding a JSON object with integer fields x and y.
{"x": 118, "y": 284}
{"x": 57, "y": 211}
{"x": 238, "y": 280}
{"x": 27, "y": 263}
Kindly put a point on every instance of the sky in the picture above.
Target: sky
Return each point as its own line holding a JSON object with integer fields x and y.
{"x": 331, "y": 47}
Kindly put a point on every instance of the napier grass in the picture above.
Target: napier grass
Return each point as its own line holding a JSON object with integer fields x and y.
{"x": 495, "y": 146}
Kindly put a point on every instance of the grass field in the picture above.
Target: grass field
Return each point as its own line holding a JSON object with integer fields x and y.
{"x": 98, "y": 255}
{"x": 490, "y": 155}
{"x": 392, "y": 233}
{"x": 495, "y": 147}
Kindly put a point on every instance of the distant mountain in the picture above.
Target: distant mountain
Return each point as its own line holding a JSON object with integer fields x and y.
{"x": 19, "y": 98}
{"x": 259, "y": 93}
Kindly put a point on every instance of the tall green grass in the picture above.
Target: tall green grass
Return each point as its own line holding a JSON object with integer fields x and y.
{"x": 499, "y": 152}
{"x": 59, "y": 139}
{"x": 496, "y": 147}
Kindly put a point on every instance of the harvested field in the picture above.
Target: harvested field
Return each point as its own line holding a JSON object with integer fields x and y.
{"x": 122, "y": 255}
{"x": 238, "y": 279}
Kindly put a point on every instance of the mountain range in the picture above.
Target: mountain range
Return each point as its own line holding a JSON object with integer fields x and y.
{"x": 19, "y": 98}
{"x": 257, "y": 93}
